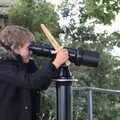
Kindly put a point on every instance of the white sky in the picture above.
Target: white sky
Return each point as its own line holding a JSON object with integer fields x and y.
{"x": 114, "y": 27}
{"x": 57, "y": 2}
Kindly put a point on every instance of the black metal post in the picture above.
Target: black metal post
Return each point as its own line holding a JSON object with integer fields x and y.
{"x": 64, "y": 101}
{"x": 90, "y": 104}
{"x": 64, "y": 94}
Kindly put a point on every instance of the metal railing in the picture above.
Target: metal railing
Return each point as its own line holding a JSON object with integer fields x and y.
{"x": 90, "y": 92}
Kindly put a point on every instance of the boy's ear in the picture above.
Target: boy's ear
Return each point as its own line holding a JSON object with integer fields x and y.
{"x": 14, "y": 49}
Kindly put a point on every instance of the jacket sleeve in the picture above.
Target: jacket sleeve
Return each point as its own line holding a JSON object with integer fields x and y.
{"x": 36, "y": 80}
{"x": 31, "y": 68}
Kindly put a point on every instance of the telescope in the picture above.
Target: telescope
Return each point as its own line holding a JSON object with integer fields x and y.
{"x": 78, "y": 56}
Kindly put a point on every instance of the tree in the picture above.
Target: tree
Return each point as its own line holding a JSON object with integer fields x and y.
{"x": 31, "y": 14}
{"x": 103, "y": 10}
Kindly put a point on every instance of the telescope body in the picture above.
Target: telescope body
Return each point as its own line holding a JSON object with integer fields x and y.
{"x": 79, "y": 56}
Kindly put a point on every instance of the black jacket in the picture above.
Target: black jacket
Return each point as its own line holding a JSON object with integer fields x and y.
{"x": 18, "y": 83}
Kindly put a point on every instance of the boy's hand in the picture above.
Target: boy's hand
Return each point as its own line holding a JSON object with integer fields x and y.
{"x": 61, "y": 57}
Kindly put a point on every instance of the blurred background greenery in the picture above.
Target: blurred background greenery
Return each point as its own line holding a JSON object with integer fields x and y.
{"x": 82, "y": 16}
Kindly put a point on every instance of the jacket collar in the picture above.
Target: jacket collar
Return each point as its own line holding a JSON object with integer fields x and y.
{"x": 7, "y": 54}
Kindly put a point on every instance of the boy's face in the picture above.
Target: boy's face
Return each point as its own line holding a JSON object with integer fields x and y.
{"x": 24, "y": 52}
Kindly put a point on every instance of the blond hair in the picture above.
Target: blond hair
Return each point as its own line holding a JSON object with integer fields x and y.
{"x": 16, "y": 36}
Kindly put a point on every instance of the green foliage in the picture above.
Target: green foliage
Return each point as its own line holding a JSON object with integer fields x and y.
{"x": 117, "y": 38}
{"x": 32, "y": 13}
{"x": 48, "y": 105}
{"x": 79, "y": 105}
{"x": 107, "y": 108}
{"x": 103, "y": 10}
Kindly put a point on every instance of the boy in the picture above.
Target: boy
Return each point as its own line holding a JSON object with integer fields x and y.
{"x": 19, "y": 77}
